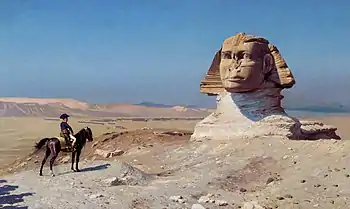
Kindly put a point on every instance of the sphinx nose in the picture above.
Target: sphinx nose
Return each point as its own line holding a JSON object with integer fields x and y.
{"x": 238, "y": 64}
{"x": 235, "y": 67}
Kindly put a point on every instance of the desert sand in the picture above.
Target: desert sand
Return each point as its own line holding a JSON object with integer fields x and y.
{"x": 175, "y": 173}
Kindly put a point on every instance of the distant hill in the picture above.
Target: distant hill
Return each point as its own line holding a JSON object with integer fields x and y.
{"x": 16, "y": 107}
{"x": 151, "y": 104}
{"x": 41, "y": 107}
{"x": 321, "y": 109}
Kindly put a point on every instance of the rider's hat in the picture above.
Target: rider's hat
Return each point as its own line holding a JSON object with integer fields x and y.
{"x": 64, "y": 116}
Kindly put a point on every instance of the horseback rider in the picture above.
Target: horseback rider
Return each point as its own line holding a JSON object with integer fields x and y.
{"x": 66, "y": 130}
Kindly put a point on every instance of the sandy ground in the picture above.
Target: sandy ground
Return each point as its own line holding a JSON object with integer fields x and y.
{"x": 18, "y": 135}
{"x": 276, "y": 173}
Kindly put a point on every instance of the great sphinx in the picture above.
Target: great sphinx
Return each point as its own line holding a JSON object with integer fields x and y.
{"x": 247, "y": 76}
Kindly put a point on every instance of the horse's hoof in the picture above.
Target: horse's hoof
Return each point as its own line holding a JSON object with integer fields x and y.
{"x": 40, "y": 174}
{"x": 53, "y": 175}
{"x": 77, "y": 170}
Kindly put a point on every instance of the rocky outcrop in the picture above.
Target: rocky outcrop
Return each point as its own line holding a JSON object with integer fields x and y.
{"x": 257, "y": 114}
{"x": 248, "y": 115}
{"x": 131, "y": 176}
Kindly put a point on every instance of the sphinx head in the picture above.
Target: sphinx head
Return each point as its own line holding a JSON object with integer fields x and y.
{"x": 246, "y": 63}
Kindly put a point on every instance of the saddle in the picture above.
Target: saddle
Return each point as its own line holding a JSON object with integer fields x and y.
{"x": 63, "y": 143}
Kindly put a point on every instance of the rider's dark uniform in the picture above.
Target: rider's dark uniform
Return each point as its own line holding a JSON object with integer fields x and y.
{"x": 66, "y": 129}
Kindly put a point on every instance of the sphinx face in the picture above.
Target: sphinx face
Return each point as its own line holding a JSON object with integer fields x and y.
{"x": 243, "y": 67}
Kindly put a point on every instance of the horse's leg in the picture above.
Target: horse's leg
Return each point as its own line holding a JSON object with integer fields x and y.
{"x": 73, "y": 159}
{"x": 54, "y": 149}
{"x": 47, "y": 154}
{"x": 77, "y": 160}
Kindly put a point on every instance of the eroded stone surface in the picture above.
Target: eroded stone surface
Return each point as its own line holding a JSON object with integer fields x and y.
{"x": 129, "y": 175}
{"x": 248, "y": 115}
{"x": 246, "y": 62}
{"x": 252, "y": 74}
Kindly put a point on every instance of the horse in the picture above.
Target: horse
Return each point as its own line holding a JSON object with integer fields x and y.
{"x": 54, "y": 146}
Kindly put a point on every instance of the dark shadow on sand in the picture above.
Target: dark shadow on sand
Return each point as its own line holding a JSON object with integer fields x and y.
{"x": 96, "y": 167}
{"x": 91, "y": 168}
{"x": 10, "y": 199}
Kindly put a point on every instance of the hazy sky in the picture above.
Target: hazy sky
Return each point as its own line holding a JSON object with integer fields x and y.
{"x": 132, "y": 51}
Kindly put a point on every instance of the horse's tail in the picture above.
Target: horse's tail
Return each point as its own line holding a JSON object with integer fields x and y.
{"x": 41, "y": 143}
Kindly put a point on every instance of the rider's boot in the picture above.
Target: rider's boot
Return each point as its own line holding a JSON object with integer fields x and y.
{"x": 68, "y": 144}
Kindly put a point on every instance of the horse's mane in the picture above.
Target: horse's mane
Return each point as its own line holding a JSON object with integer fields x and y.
{"x": 81, "y": 130}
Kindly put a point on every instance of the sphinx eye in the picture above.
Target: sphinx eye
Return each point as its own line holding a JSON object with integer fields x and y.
{"x": 226, "y": 55}
{"x": 247, "y": 56}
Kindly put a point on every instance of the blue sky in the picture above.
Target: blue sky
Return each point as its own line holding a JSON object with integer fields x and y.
{"x": 133, "y": 51}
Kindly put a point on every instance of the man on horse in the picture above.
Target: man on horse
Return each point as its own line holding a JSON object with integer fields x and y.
{"x": 66, "y": 130}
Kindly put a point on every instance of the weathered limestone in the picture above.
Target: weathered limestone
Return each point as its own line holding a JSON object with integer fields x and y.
{"x": 250, "y": 114}
{"x": 247, "y": 76}
{"x": 280, "y": 74}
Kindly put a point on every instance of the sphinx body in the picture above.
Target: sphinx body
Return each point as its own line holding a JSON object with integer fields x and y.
{"x": 247, "y": 76}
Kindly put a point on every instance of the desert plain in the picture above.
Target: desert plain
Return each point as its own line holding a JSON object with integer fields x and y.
{"x": 169, "y": 171}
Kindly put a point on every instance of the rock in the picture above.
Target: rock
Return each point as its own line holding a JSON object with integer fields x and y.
{"x": 103, "y": 153}
{"x": 250, "y": 108}
{"x": 197, "y": 206}
{"x": 108, "y": 154}
{"x": 181, "y": 201}
{"x": 318, "y": 130}
{"x": 117, "y": 153}
{"x": 65, "y": 159}
{"x": 95, "y": 196}
{"x": 242, "y": 190}
{"x": 209, "y": 198}
{"x": 221, "y": 203}
{"x": 129, "y": 175}
{"x": 204, "y": 199}
{"x": 94, "y": 144}
{"x": 178, "y": 199}
{"x": 288, "y": 196}
{"x": 270, "y": 180}
{"x": 22, "y": 164}
{"x": 252, "y": 205}
{"x": 280, "y": 198}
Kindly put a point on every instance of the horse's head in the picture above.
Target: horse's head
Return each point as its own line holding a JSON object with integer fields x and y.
{"x": 88, "y": 134}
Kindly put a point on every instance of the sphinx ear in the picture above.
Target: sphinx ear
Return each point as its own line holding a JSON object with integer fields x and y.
{"x": 268, "y": 63}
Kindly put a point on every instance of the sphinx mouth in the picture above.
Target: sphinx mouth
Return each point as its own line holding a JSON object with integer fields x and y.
{"x": 235, "y": 78}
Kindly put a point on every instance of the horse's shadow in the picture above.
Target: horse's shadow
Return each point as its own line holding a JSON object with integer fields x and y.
{"x": 91, "y": 168}
{"x": 96, "y": 167}
{"x": 11, "y": 199}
